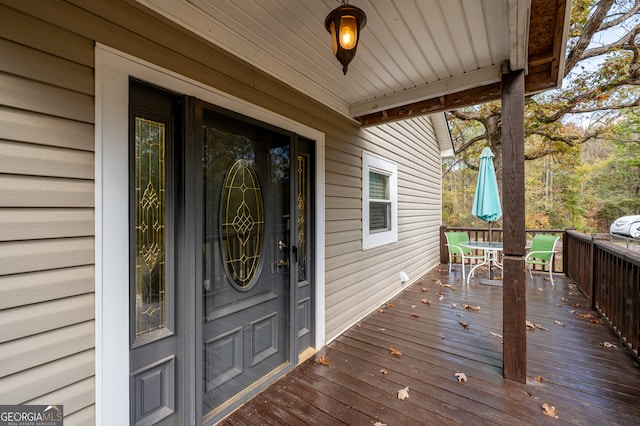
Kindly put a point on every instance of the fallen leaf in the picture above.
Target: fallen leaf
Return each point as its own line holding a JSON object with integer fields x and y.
{"x": 549, "y": 410}
{"x": 464, "y": 324}
{"x": 453, "y": 305}
{"x": 424, "y": 289}
{"x": 384, "y": 372}
{"x": 441, "y": 297}
{"x": 461, "y": 316}
{"x": 531, "y": 326}
{"x": 379, "y": 424}
{"x": 382, "y": 330}
{"x": 541, "y": 290}
{"x": 559, "y": 323}
{"x": 437, "y": 281}
{"x": 415, "y": 316}
{"x": 491, "y": 333}
{"x": 596, "y": 321}
{"x": 575, "y": 305}
{"x": 470, "y": 307}
{"x": 322, "y": 360}
{"x": 413, "y": 306}
{"x": 539, "y": 378}
{"x": 461, "y": 377}
{"x": 608, "y": 344}
{"x": 389, "y": 305}
{"x": 564, "y": 299}
{"x": 394, "y": 352}
{"x": 403, "y": 393}
{"x": 381, "y": 311}
{"x": 425, "y": 301}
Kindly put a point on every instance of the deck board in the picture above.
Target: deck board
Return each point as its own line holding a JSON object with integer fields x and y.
{"x": 587, "y": 383}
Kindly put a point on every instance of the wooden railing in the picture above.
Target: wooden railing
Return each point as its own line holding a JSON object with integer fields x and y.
{"x": 609, "y": 275}
{"x": 482, "y": 234}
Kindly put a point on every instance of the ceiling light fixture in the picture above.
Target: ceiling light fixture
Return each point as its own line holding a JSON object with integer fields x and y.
{"x": 344, "y": 23}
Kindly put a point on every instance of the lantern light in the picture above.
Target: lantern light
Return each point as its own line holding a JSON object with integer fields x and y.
{"x": 344, "y": 23}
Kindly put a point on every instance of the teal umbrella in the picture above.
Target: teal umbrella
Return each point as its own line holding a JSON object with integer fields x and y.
{"x": 486, "y": 202}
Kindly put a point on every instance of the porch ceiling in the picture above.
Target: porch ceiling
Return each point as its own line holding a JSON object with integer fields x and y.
{"x": 414, "y": 56}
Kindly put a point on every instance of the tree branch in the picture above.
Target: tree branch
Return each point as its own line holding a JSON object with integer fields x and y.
{"x": 590, "y": 28}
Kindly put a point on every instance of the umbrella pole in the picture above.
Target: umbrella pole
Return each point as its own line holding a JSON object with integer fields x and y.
{"x": 490, "y": 241}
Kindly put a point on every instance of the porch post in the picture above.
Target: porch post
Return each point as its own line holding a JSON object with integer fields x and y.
{"x": 514, "y": 294}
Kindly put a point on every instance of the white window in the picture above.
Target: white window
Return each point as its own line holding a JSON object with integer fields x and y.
{"x": 379, "y": 201}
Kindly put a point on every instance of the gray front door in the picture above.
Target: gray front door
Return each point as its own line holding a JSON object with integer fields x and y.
{"x": 221, "y": 258}
{"x": 246, "y": 255}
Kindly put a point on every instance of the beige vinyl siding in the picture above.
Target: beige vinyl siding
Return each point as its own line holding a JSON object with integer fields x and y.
{"x": 357, "y": 281}
{"x": 47, "y": 303}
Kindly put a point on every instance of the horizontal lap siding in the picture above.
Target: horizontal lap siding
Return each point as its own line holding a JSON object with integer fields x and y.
{"x": 357, "y": 281}
{"x": 47, "y": 285}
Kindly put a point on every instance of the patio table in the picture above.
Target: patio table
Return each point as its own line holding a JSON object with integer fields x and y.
{"x": 490, "y": 251}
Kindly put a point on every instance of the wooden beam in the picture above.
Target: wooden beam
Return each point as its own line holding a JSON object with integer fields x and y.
{"x": 514, "y": 239}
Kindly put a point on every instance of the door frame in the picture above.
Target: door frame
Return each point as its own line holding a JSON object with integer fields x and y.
{"x": 112, "y": 72}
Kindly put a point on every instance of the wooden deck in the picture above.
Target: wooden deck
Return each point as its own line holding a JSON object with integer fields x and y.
{"x": 567, "y": 365}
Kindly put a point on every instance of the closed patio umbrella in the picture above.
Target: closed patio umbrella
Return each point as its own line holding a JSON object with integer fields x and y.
{"x": 486, "y": 202}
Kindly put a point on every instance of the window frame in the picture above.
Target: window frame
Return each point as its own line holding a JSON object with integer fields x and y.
{"x": 379, "y": 165}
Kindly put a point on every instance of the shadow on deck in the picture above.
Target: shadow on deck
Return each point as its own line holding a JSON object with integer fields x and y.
{"x": 567, "y": 365}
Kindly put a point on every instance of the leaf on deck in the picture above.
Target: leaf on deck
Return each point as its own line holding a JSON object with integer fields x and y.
{"x": 403, "y": 393}
{"x": 379, "y": 424}
{"x": 608, "y": 345}
{"x": 453, "y": 306}
{"x": 441, "y": 297}
{"x": 464, "y": 325}
{"x": 461, "y": 377}
{"x": 415, "y": 316}
{"x": 549, "y": 410}
{"x": 322, "y": 360}
{"x": 384, "y": 372}
{"x": 531, "y": 326}
{"x": 424, "y": 289}
{"x": 491, "y": 333}
{"x": 470, "y": 307}
{"x": 539, "y": 378}
{"x": 394, "y": 352}
{"x": 559, "y": 323}
{"x": 426, "y": 301}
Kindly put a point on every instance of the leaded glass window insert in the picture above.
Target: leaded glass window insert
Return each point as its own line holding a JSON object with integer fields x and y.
{"x": 302, "y": 199}
{"x": 242, "y": 224}
{"x": 150, "y": 218}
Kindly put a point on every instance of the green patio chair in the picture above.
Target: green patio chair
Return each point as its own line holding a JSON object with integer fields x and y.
{"x": 543, "y": 247}
{"x": 457, "y": 251}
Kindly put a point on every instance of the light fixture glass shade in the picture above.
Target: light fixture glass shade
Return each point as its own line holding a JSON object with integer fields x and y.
{"x": 344, "y": 24}
{"x": 348, "y": 32}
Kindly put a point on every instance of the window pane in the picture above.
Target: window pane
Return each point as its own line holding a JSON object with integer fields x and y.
{"x": 378, "y": 186}
{"x": 302, "y": 215}
{"x": 379, "y": 215}
{"x": 150, "y": 225}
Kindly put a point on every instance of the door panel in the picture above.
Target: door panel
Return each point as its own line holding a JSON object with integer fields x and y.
{"x": 245, "y": 252}
{"x": 155, "y": 122}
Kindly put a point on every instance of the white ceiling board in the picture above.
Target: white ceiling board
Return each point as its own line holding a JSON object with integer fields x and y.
{"x": 408, "y": 49}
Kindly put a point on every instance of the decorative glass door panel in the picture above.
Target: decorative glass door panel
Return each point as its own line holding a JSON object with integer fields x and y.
{"x": 245, "y": 265}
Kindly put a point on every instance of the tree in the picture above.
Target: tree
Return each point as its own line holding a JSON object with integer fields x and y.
{"x": 602, "y": 75}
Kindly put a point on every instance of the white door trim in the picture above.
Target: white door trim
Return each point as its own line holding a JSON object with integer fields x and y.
{"x": 113, "y": 69}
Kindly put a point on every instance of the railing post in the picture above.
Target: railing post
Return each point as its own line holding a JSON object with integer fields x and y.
{"x": 565, "y": 250}
{"x": 444, "y": 253}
